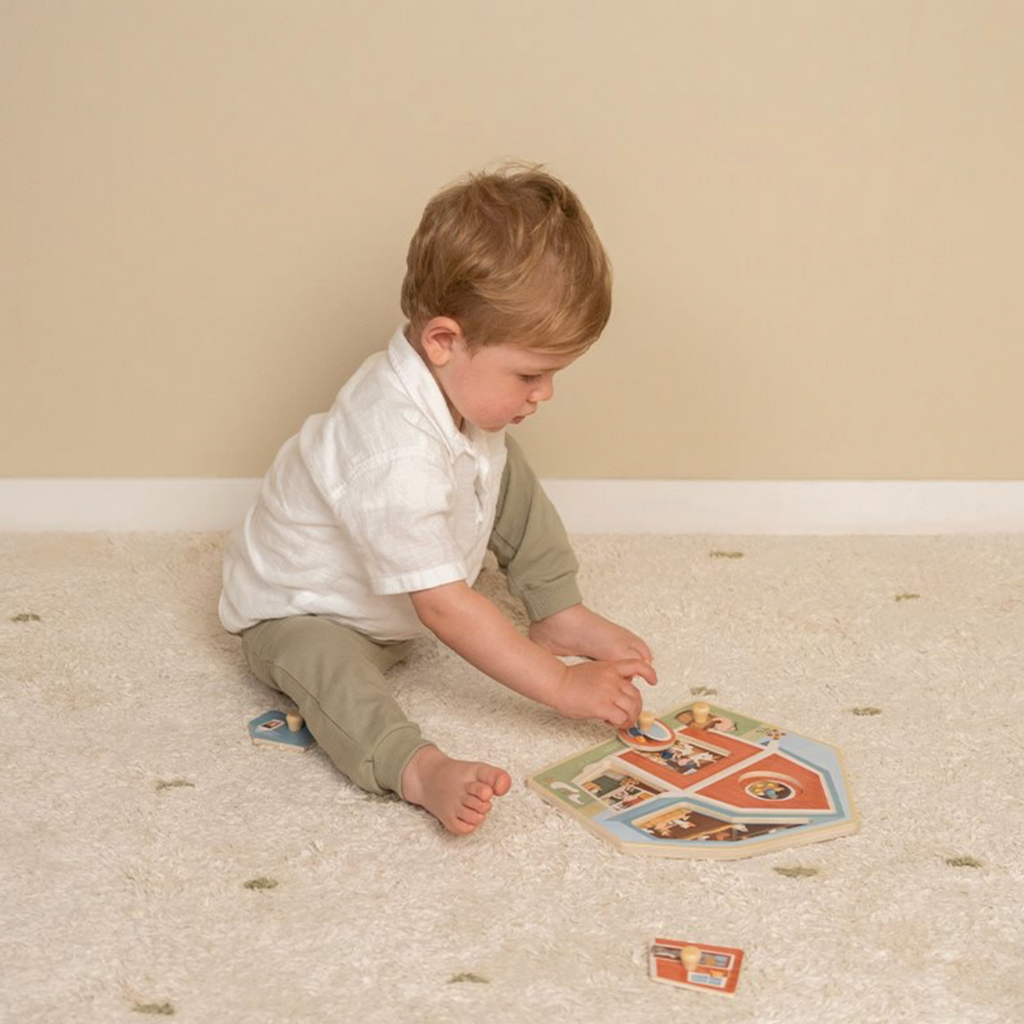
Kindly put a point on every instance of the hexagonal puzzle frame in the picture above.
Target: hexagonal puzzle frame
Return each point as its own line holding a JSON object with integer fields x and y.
{"x": 735, "y": 787}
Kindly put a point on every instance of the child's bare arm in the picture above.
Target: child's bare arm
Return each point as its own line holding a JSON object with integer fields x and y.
{"x": 474, "y": 628}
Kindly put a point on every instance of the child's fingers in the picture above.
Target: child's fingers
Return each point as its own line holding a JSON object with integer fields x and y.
{"x": 643, "y": 652}
{"x": 629, "y": 669}
{"x": 621, "y": 715}
{"x": 630, "y": 702}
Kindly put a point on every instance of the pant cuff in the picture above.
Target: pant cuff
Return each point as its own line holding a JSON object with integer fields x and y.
{"x": 393, "y": 753}
{"x": 551, "y": 598}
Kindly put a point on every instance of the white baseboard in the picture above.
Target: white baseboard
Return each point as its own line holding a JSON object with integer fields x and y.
{"x": 801, "y": 507}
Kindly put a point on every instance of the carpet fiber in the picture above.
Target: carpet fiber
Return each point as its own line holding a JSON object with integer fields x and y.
{"x": 156, "y": 863}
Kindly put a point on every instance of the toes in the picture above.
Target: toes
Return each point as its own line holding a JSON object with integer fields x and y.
{"x": 470, "y": 817}
{"x": 500, "y": 781}
{"x": 480, "y": 790}
{"x": 464, "y": 801}
{"x": 482, "y": 806}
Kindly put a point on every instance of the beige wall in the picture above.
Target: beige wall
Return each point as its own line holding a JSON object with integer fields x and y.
{"x": 814, "y": 210}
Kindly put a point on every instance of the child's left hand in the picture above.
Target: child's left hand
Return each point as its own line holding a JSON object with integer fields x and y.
{"x": 580, "y": 632}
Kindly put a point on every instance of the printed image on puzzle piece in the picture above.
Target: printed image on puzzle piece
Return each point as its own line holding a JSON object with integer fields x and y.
{"x": 697, "y": 966}
{"x": 648, "y": 734}
{"x": 274, "y": 728}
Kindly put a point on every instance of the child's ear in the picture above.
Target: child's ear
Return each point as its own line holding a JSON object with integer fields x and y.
{"x": 438, "y": 339}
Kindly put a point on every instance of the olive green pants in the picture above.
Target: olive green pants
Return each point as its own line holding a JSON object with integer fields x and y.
{"x": 336, "y": 675}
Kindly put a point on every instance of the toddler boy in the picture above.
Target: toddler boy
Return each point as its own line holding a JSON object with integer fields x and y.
{"x": 372, "y": 524}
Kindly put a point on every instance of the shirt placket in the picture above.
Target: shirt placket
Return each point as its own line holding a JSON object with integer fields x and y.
{"x": 483, "y": 475}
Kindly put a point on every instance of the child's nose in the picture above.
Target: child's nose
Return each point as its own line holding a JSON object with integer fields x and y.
{"x": 544, "y": 391}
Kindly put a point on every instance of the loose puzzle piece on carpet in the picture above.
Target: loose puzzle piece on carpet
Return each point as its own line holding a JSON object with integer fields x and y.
{"x": 698, "y": 966}
{"x": 274, "y": 728}
{"x": 729, "y": 786}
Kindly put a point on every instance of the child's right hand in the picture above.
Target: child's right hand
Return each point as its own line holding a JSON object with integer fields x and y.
{"x": 604, "y": 690}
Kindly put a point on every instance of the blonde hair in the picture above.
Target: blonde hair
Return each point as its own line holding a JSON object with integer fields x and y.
{"x": 512, "y": 256}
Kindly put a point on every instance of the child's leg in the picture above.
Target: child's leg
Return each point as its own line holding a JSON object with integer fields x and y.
{"x": 530, "y": 542}
{"x": 533, "y": 548}
{"x": 336, "y": 676}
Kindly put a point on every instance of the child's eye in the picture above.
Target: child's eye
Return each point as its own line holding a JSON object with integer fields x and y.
{"x": 529, "y": 378}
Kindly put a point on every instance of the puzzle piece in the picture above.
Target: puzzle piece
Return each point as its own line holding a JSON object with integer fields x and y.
{"x": 278, "y": 729}
{"x": 648, "y": 734}
{"x": 697, "y": 966}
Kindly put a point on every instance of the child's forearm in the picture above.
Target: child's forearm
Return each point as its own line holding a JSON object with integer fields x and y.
{"x": 475, "y": 629}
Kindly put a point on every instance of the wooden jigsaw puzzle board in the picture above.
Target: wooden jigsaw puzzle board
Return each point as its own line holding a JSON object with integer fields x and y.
{"x": 737, "y": 787}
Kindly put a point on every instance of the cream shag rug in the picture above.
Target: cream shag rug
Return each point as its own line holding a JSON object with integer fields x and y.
{"x": 156, "y": 863}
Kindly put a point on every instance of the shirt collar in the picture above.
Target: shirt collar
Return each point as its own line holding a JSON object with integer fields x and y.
{"x": 423, "y": 389}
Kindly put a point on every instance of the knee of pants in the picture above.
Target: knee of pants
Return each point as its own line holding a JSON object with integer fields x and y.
{"x": 333, "y": 675}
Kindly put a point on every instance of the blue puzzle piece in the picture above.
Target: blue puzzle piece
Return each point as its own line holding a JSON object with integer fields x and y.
{"x": 272, "y": 727}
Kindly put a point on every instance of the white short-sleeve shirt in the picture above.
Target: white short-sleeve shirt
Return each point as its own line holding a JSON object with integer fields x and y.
{"x": 380, "y": 496}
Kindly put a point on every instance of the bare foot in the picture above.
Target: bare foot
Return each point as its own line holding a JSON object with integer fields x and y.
{"x": 581, "y": 632}
{"x": 457, "y": 793}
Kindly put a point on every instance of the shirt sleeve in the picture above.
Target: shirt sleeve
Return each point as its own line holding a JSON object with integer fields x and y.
{"x": 398, "y": 512}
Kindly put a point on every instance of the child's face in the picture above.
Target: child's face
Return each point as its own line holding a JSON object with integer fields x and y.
{"x": 496, "y": 386}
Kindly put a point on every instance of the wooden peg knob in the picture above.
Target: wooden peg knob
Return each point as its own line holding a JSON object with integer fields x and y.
{"x": 691, "y": 957}
{"x": 701, "y": 713}
{"x": 294, "y": 721}
{"x": 646, "y": 720}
